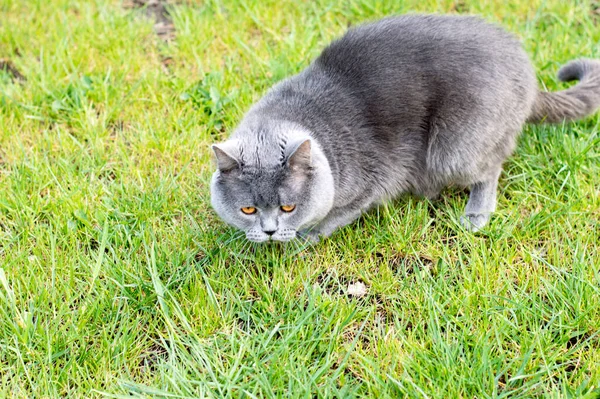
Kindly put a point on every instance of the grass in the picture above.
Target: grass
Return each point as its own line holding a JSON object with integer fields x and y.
{"x": 117, "y": 279}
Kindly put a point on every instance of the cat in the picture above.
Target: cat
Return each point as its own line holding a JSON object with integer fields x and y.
{"x": 409, "y": 103}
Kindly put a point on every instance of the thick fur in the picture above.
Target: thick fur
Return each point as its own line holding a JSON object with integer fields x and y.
{"x": 574, "y": 103}
{"x": 405, "y": 104}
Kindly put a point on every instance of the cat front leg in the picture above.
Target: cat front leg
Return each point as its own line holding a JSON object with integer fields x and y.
{"x": 335, "y": 219}
{"x": 481, "y": 204}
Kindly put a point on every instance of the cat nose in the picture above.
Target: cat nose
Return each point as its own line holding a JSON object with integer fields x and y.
{"x": 269, "y": 232}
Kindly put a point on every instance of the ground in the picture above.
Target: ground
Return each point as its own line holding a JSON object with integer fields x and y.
{"x": 117, "y": 279}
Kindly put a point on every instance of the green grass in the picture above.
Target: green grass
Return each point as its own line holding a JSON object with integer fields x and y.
{"x": 117, "y": 279}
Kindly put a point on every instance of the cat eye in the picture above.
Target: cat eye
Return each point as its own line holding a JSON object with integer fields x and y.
{"x": 287, "y": 208}
{"x": 249, "y": 210}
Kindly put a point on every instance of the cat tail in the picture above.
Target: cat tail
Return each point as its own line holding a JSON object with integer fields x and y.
{"x": 574, "y": 103}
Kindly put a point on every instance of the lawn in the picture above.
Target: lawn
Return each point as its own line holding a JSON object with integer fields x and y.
{"x": 118, "y": 280}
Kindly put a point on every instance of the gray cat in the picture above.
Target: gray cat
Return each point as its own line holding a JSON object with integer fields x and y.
{"x": 406, "y": 104}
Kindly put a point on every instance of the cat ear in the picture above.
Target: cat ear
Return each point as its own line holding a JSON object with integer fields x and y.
{"x": 300, "y": 158}
{"x": 225, "y": 162}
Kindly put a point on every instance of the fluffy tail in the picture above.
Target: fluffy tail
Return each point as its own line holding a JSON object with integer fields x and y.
{"x": 574, "y": 103}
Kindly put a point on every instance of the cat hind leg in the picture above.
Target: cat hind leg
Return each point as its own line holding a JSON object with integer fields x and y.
{"x": 482, "y": 202}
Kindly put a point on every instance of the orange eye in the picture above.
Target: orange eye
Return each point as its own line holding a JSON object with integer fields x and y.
{"x": 249, "y": 210}
{"x": 287, "y": 208}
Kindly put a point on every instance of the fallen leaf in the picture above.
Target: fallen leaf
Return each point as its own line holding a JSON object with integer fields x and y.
{"x": 357, "y": 289}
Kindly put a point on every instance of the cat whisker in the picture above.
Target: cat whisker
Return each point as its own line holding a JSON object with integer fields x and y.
{"x": 298, "y": 247}
{"x": 234, "y": 237}
{"x": 302, "y": 241}
{"x": 247, "y": 246}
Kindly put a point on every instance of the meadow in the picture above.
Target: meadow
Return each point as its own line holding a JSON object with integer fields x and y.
{"x": 118, "y": 280}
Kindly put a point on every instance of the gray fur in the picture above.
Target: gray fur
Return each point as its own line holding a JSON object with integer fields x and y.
{"x": 405, "y": 104}
{"x": 574, "y": 103}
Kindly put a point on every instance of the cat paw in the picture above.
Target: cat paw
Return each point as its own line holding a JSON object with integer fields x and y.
{"x": 311, "y": 236}
{"x": 474, "y": 222}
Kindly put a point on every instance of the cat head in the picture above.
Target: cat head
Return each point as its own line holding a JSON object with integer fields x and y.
{"x": 271, "y": 186}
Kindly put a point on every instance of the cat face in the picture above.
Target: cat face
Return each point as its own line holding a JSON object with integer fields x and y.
{"x": 272, "y": 194}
